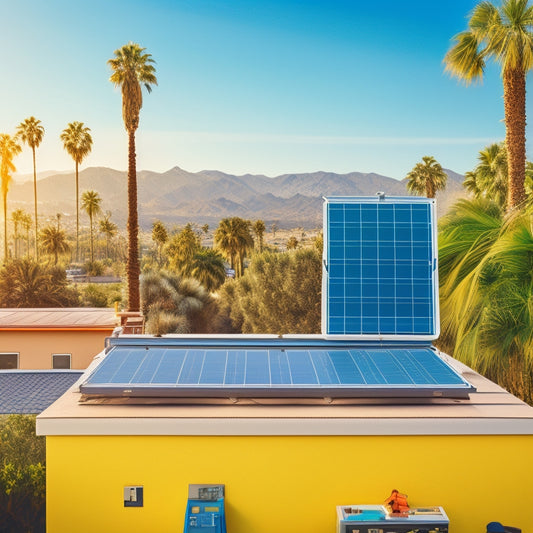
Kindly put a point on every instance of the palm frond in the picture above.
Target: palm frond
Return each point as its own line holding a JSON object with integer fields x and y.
{"x": 465, "y": 59}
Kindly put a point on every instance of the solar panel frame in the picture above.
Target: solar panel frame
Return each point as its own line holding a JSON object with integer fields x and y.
{"x": 282, "y": 369}
{"x": 365, "y": 293}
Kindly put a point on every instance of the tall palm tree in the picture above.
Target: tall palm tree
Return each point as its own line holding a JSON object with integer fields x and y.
{"x": 9, "y": 148}
{"x": 259, "y": 230}
{"x": 489, "y": 178}
{"x": 427, "y": 177}
{"x": 54, "y": 241}
{"x": 505, "y": 35}
{"x": 26, "y": 224}
{"x": 31, "y": 132}
{"x": 17, "y": 217}
{"x": 109, "y": 229}
{"x": 91, "y": 204}
{"x": 78, "y": 142}
{"x": 132, "y": 67}
{"x": 233, "y": 239}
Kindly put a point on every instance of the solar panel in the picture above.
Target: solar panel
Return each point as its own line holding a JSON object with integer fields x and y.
{"x": 380, "y": 268}
{"x": 281, "y": 368}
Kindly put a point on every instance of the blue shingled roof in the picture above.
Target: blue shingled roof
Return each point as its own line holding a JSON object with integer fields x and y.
{"x": 32, "y": 391}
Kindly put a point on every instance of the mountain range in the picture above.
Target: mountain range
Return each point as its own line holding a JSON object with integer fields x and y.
{"x": 178, "y": 196}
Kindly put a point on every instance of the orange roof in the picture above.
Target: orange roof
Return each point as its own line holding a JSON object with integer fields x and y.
{"x": 72, "y": 318}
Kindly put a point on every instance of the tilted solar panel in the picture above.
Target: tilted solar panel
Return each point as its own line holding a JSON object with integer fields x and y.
{"x": 275, "y": 369}
{"x": 380, "y": 268}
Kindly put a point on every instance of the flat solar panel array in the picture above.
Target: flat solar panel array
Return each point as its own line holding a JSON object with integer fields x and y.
{"x": 272, "y": 370}
{"x": 380, "y": 268}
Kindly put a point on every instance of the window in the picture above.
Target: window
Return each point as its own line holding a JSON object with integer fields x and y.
{"x": 61, "y": 360}
{"x": 9, "y": 361}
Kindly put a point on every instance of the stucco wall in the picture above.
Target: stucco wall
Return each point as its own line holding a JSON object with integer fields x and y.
{"x": 285, "y": 483}
{"x": 36, "y": 347}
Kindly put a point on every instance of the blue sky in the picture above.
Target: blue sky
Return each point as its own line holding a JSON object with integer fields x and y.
{"x": 247, "y": 86}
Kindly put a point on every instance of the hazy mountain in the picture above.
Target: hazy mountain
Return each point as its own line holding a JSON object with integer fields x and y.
{"x": 178, "y": 196}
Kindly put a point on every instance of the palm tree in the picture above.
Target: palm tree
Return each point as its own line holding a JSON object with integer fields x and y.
{"x": 259, "y": 230}
{"x": 131, "y": 67}
{"x": 504, "y": 35}
{"x": 54, "y": 241}
{"x": 181, "y": 249}
{"x": 233, "y": 239}
{"x": 9, "y": 148}
{"x": 31, "y": 132}
{"x": 426, "y": 177}
{"x": 109, "y": 229}
{"x": 17, "y": 217}
{"x": 160, "y": 237}
{"x": 78, "y": 142}
{"x": 207, "y": 266}
{"x": 26, "y": 283}
{"x": 489, "y": 178}
{"x": 90, "y": 203}
{"x": 486, "y": 286}
{"x": 26, "y": 224}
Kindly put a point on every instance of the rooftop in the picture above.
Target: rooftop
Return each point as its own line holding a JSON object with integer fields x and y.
{"x": 31, "y": 391}
{"x": 489, "y": 410}
{"x": 83, "y": 318}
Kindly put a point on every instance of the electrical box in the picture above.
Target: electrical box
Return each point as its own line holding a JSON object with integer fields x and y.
{"x": 133, "y": 496}
{"x": 205, "y": 509}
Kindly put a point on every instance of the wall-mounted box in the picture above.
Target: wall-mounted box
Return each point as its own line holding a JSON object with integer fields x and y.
{"x": 133, "y": 496}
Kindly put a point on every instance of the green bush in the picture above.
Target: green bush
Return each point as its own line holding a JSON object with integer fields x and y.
{"x": 104, "y": 295}
{"x": 22, "y": 476}
{"x": 94, "y": 268}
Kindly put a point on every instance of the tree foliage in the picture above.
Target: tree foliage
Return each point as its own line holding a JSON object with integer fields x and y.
{"x": 489, "y": 178}
{"x": 160, "y": 237}
{"x": 259, "y": 230}
{"x": 9, "y": 148}
{"x": 26, "y": 283}
{"x": 90, "y": 203}
{"x": 31, "y": 132}
{"x": 54, "y": 241}
{"x": 78, "y": 143}
{"x": 279, "y": 293}
{"x": 181, "y": 248}
{"x": 22, "y": 476}
{"x": 234, "y": 240}
{"x": 427, "y": 178}
{"x": 131, "y": 67}
{"x": 486, "y": 289}
{"x": 207, "y": 267}
{"x": 503, "y": 34}
{"x": 172, "y": 304}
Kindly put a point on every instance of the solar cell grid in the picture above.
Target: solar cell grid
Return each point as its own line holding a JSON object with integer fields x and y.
{"x": 270, "y": 368}
{"x": 380, "y": 269}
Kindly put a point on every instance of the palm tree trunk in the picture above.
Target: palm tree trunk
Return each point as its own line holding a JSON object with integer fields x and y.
{"x": 5, "y": 227}
{"x": 514, "y": 99}
{"x": 16, "y": 239}
{"x": 92, "y": 249}
{"x": 77, "y": 217}
{"x": 133, "y": 269}
{"x": 35, "y": 201}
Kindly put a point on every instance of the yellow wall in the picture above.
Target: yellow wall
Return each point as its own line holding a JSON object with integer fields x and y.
{"x": 36, "y": 347}
{"x": 285, "y": 484}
